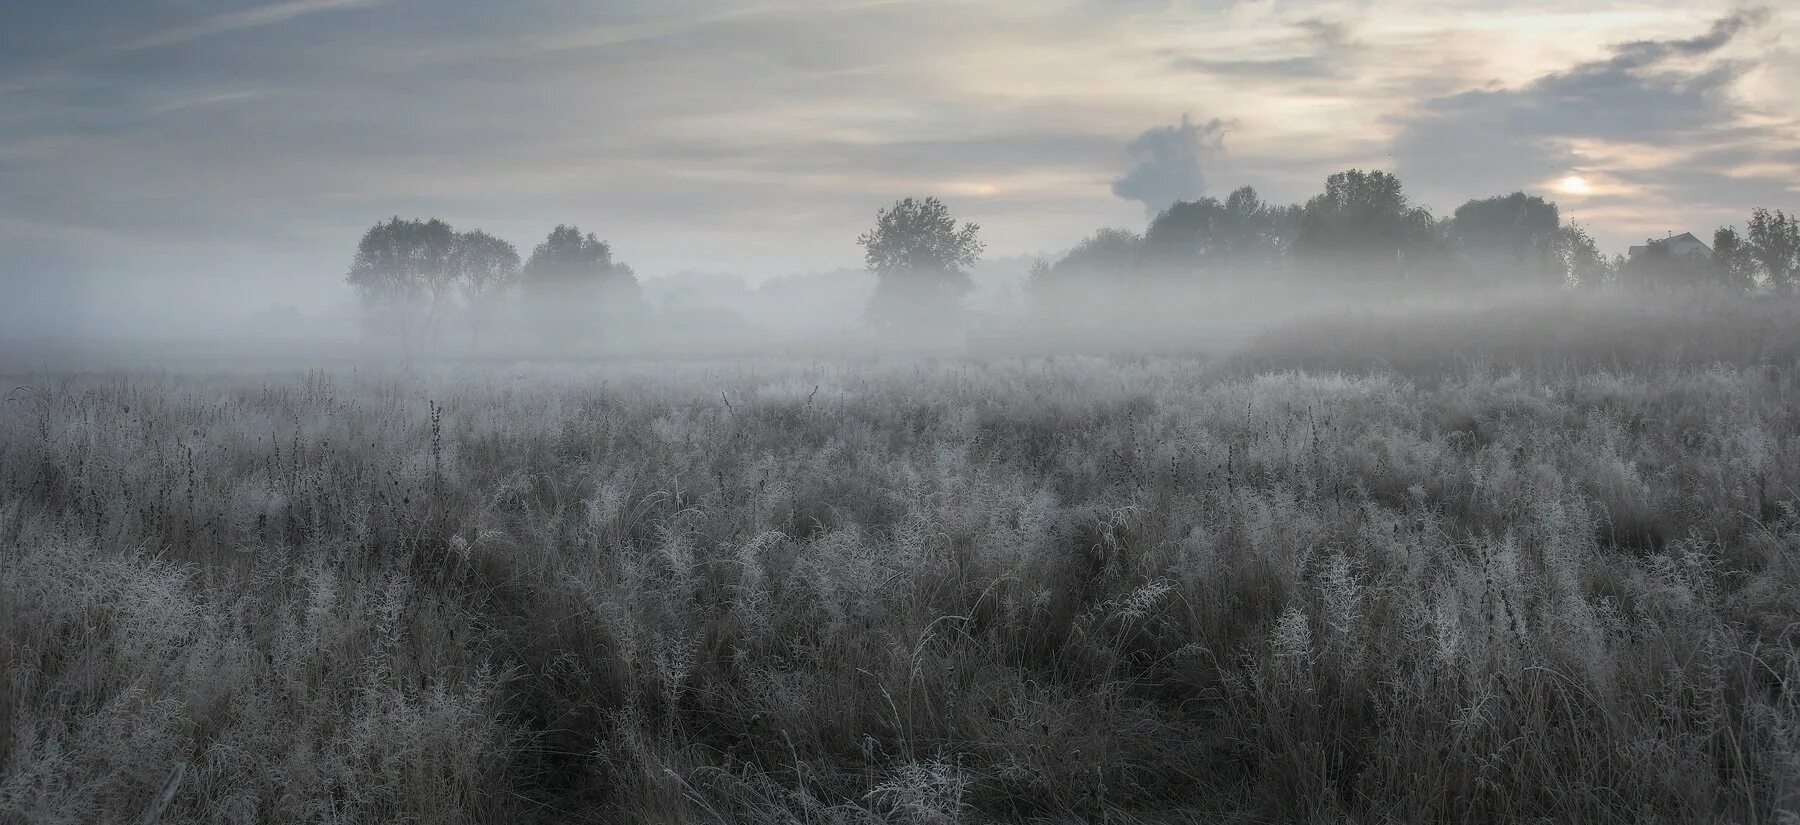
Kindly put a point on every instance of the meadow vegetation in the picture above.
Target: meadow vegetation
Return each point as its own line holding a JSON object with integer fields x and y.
{"x": 1349, "y": 573}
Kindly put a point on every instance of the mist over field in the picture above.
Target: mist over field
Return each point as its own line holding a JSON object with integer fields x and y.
{"x": 899, "y": 412}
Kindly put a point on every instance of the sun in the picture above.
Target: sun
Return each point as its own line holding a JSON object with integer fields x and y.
{"x": 1574, "y": 185}
{"x": 975, "y": 188}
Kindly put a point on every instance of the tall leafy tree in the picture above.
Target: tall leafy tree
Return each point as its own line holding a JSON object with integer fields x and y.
{"x": 1108, "y": 254}
{"x": 1097, "y": 265}
{"x": 1183, "y": 237}
{"x": 1363, "y": 224}
{"x": 485, "y": 268}
{"x": 401, "y": 273}
{"x": 575, "y": 287}
{"x": 1192, "y": 236}
{"x": 1257, "y": 232}
{"x": 1733, "y": 261}
{"x": 1517, "y": 235}
{"x": 567, "y": 256}
{"x": 920, "y": 259}
{"x": 1774, "y": 240}
{"x": 1578, "y": 259}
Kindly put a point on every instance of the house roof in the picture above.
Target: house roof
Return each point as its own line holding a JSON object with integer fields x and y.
{"x": 1684, "y": 243}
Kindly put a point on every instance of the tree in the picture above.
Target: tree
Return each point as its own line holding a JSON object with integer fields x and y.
{"x": 575, "y": 287}
{"x": 920, "y": 260}
{"x": 1733, "y": 261}
{"x": 1775, "y": 243}
{"x": 568, "y": 257}
{"x": 1614, "y": 270}
{"x": 1106, "y": 254}
{"x": 401, "y": 272}
{"x": 1519, "y": 234}
{"x": 485, "y": 267}
{"x": 1364, "y": 225}
{"x": 1183, "y": 237}
{"x": 1578, "y": 259}
{"x": 1191, "y": 236}
{"x": 1096, "y": 265}
{"x": 1256, "y": 232}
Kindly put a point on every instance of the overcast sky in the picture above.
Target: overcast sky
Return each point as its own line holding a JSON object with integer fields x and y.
{"x": 231, "y": 151}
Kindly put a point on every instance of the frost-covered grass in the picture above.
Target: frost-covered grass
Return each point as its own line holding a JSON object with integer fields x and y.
{"x": 1069, "y": 590}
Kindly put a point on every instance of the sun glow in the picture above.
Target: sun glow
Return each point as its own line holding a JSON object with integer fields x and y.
{"x": 1574, "y": 185}
{"x": 980, "y": 189}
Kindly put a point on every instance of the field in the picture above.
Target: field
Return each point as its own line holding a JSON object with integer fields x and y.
{"x": 1355, "y": 574}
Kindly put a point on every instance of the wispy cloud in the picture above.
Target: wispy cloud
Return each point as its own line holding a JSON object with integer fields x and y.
{"x": 207, "y": 100}
{"x": 251, "y": 18}
{"x": 1321, "y": 49}
{"x": 65, "y": 68}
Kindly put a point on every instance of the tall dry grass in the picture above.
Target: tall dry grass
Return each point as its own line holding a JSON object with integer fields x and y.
{"x": 1064, "y": 590}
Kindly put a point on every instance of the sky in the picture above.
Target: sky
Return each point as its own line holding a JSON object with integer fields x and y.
{"x": 229, "y": 153}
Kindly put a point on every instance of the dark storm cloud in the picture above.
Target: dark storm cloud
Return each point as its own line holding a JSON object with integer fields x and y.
{"x": 1666, "y": 93}
{"x": 1170, "y": 163}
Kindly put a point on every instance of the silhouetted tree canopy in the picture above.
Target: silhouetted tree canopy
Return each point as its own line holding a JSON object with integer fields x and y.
{"x": 920, "y": 260}
{"x": 1241, "y": 231}
{"x": 1733, "y": 261}
{"x": 577, "y": 291}
{"x": 1183, "y": 236}
{"x": 569, "y": 257}
{"x": 1775, "y": 243}
{"x": 485, "y": 267}
{"x": 1106, "y": 254}
{"x": 1363, "y": 224}
{"x": 401, "y": 256}
{"x": 401, "y": 270}
{"x": 1579, "y": 260}
{"x": 1518, "y": 234}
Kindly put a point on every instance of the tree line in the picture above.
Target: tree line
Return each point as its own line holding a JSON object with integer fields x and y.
{"x": 1364, "y": 229}
{"x": 416, "y": 277}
